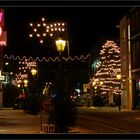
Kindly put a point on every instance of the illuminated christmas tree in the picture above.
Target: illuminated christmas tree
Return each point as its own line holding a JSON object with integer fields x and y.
{"x": 105, "y": 81}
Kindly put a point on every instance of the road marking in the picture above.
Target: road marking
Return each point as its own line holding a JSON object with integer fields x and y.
{"x": 111, "y": 127}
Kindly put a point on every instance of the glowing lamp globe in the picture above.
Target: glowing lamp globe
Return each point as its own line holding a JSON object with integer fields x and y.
{"x": 60, "y": 45}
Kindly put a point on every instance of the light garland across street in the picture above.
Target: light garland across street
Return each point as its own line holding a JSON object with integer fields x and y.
{"x": 12, "y": 57}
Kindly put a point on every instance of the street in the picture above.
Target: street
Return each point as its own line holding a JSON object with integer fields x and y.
{"x": 107, "y": 121}
{"x": 89, "y": 121}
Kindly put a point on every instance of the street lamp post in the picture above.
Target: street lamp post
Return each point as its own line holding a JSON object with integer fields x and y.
{"x": 34, "y": 74}
{"x": 119, "y": 78}
{"x": 60, "y": 44}
{"x": 25, "y": 86}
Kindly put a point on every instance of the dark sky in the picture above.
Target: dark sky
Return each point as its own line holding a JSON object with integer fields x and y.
{"x": 86, "y": 25}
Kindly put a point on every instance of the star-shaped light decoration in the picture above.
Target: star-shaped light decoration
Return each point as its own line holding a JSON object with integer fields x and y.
{"x": 52, "y": 29}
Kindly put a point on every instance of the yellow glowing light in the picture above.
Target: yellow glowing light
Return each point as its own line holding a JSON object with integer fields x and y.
{"x": 38, "y": 25}
{"x": 33, "y": 71}
{"x": 60, "y": 45}
{"x": 25, "y": 81}
{"x": 93, "y": 83}
{"x": 44, "y": 34}
{"x": 51, "y": 34}
{"x": 63, "y": 24}
{"x": 95, "y": 87}
{"x": 18, "y": 85}
{"x": 101, "y": 82}
{"x": 118, "y": 76}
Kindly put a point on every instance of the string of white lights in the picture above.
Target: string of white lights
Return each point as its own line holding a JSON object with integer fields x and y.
{"x": 12, "y": 57}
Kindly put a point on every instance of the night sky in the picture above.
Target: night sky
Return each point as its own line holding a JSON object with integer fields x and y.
{"x": 86, "y": 25}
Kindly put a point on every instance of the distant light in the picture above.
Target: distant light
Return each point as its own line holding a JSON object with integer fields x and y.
{"x": 38, "y": 25}
{"x": 31, "y": 24}
{"x": 44, "y": 24}
{"x": 18, "y": 85}
{"x": 43, "y": 19}
{"x": 6, "y": 63}
{"x": 30, "y": 35}
{"x": 41, "y": 41}
{"x": 78, "y": 90}
{"x": 35, "y": 29}
{"x": 38, "y": 35}
{"x": 11, "y": 73}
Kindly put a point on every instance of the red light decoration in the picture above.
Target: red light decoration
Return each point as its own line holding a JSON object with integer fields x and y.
{"x": 0, "y": 31}
{"x": 3, "y": 35}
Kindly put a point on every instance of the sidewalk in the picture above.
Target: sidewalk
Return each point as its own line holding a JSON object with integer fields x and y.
{"x": 107, "y": 109}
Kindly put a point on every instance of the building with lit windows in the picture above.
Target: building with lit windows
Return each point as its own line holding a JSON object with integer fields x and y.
{"x": 130, "y": 50}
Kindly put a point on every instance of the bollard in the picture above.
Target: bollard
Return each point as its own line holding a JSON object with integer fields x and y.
{"x": 48, "y": 128}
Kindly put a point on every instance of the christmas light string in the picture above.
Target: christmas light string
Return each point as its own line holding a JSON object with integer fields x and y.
{"x": 106, "y": 69}
{"x": 82, "y": 57}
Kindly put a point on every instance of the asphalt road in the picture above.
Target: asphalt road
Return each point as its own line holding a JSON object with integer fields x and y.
{"x": 109, "y": 121}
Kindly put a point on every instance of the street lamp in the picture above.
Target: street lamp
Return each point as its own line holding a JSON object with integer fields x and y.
{"x": 60, "y": 44}
{"x": 34, "y": 72}
{"x": 25, "y": 82}
{"x": 60, "y": 107}
{"x": 119, "y": 78}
